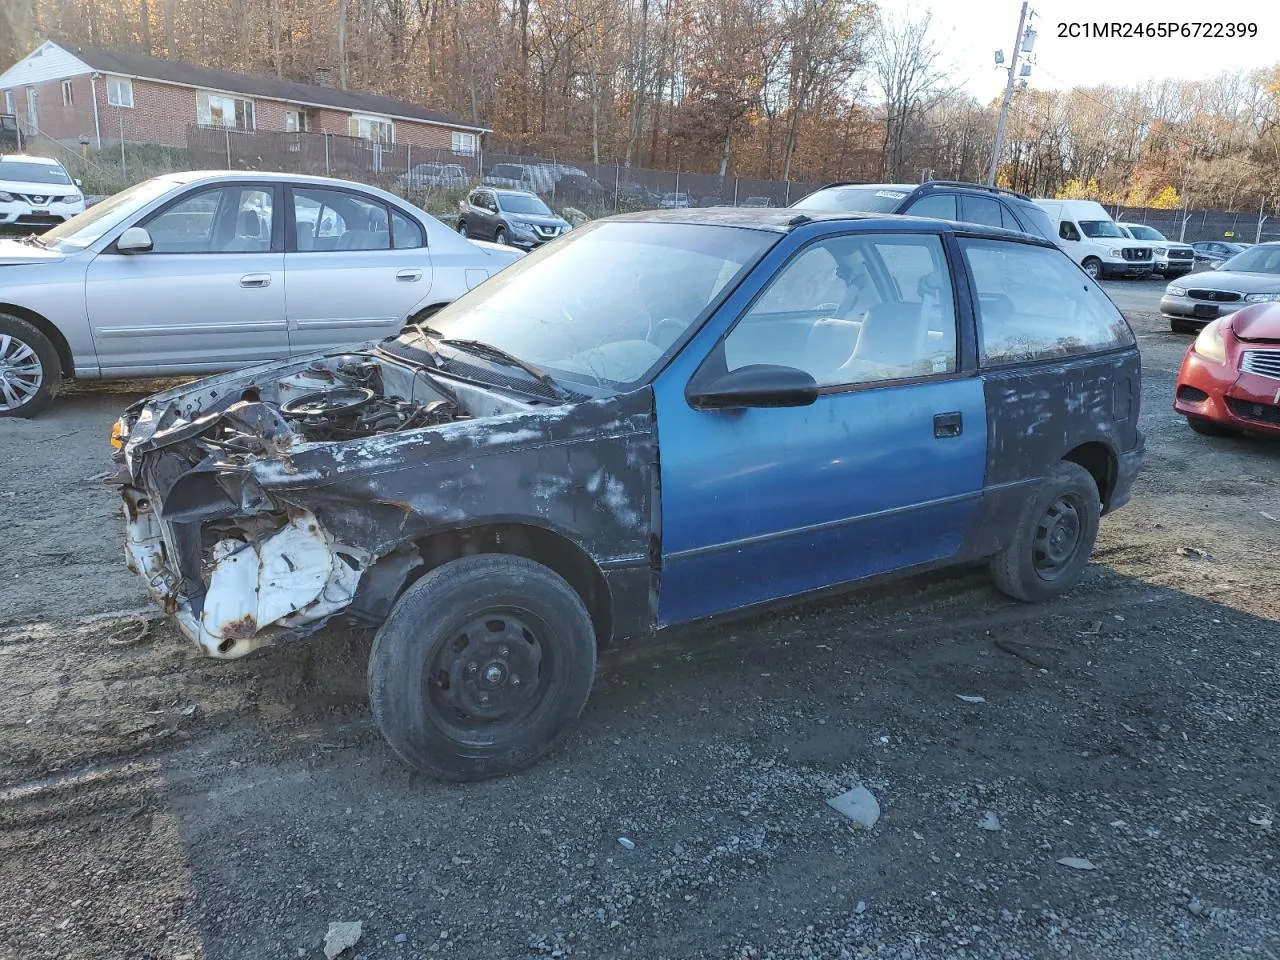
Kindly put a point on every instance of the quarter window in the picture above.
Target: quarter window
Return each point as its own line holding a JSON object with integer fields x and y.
{"x": 1035, "y": 304}
{"x": 120, "y": 91}
{"x": 854, "y": 309}
{"x": 406, "y": 234}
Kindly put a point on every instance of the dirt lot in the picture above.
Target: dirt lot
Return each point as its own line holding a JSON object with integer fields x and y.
{"x": 156, "y": 805}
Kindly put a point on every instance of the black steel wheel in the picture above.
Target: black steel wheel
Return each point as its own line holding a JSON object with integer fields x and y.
{"x": 482, "y": 667}
{"x": 1048, "y": 549}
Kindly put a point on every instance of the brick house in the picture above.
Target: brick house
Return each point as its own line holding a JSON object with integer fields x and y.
{"x": 84, "y": 95}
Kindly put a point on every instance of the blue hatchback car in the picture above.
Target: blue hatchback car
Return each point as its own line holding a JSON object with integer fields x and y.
{"x": 657, "y": 419}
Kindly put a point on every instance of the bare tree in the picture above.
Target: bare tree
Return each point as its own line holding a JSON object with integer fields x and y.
{"x": 906, "y": 67}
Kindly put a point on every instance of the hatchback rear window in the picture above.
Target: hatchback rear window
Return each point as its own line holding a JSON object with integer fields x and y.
{"x": 1035, "y": 304}
{"x": 853, "y": 200}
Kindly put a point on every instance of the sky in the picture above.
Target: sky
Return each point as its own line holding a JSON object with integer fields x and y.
{"x": 972, "y": 30}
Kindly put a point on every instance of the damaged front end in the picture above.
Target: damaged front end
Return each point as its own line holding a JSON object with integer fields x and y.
{"x": 235, "y": 564}
{"x": 259, "y": 505}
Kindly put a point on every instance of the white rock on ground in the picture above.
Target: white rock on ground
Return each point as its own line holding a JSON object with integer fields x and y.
{"x": 341, "y": 936}
{"x": 859, "y": 805}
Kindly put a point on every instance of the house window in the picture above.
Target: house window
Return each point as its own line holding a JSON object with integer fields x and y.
{"x": 377, "y": 129}
{"x": 119, "y": 91}
{"x": 464, "y": 143}
{"x": 222, "y": 110}
{"x": 8, "y": 102}
{"x": 295, "y": 121}
{"x": 68, "y": 94}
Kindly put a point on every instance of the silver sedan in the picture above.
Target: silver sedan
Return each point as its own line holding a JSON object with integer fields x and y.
{"x": 1252, "y": 276}
{"x": 193, "y": 273}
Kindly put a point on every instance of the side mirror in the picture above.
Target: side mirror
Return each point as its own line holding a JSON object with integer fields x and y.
{"x": 756, "y": 385}
{"x": 78, "y": 182}
{"x": 134, "y": 240}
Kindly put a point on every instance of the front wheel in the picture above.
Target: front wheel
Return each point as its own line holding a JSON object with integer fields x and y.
{"x": 30, "y": 369}
{"x": 1054, "y": 536}
{"x": 462, "y": 227}
{"x": 482, "y": 667}
{"x": 1093, "y": 267}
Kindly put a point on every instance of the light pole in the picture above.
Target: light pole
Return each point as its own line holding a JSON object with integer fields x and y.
{"x": 1023, "y": 43}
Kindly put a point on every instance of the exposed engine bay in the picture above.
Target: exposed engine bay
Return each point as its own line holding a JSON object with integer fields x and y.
{"x": 222, "y": 546}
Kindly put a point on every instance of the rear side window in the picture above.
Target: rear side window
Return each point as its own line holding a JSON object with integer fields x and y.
{"x": 982, "y": 210}
{"x": 1035, "y": 304}
{"x": 939, "y": 205}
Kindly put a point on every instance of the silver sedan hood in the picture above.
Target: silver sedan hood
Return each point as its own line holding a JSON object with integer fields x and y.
{"x": 14, "y": 252}
{"x": 1232, "y": 281}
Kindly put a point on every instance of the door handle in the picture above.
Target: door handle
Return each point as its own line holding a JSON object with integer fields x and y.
{"x": 948, "y": 425}
{"x": 409, "y": 275}
{"x": 256, "y": 280}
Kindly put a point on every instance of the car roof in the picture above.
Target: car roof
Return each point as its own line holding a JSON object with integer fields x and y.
{"x": 509, "y": 193}
{"x": 786, "y": 219}
{"x": 26, "y": 158}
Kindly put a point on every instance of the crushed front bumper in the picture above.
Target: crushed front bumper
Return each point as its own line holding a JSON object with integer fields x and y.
{"x": 284, "y": 582}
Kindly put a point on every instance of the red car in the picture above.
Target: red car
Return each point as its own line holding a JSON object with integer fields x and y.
{"x": 1230, "y": 377}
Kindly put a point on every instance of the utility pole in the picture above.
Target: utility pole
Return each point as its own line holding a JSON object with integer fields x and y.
{"x": 1008, "y": 87}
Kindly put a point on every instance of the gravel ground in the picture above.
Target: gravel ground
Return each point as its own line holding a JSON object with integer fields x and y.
{"x": 154, "y": 805}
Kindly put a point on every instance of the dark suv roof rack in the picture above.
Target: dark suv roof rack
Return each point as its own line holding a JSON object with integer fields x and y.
{"x": 928, "y": 184}
{"x": 974, "y": 186}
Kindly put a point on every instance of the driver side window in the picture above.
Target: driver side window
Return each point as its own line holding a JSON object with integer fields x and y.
{"x": 1067, "y": 230}
{"x": 854, "y": 309}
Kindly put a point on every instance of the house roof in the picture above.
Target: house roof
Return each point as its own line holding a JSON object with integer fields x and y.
{"x": 269, "y": 88}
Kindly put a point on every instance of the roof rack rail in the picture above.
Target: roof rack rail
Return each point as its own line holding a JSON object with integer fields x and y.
{"x": 975, "y": 186}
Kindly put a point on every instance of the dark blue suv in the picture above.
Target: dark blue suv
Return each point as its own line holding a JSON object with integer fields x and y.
{"x": 656, "y": 419}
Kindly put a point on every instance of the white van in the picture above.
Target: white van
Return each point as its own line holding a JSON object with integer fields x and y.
{"x": 1093, "y": 240}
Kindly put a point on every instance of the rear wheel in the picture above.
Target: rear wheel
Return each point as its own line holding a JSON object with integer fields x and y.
{"x": 1093, "y": 267}
{"x": 482, "y": 667}
{"x": 30, "y": 370}
{"x": 1054, "y": 536}
{"x": 462, "y": 227}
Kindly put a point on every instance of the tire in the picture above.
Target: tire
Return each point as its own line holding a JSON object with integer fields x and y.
{"x": 1183, "y": 326}
{"x": 1207, "y": 428}
{"x": 500, "y": 236}
{"x": 474, "y": 619}
{"x": 462, "y": 228}
{"x": 1093, "y": 267}
{"x": 30, "y": 369}
{"x": 1032, "y": 566}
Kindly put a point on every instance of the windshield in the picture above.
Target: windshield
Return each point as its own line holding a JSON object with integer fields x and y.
{"x": 853, "y": 200}
{"x": 24, "y": 171}
{"x": 83, "y": 229}
{"x": 1144, "y": 233}
{"x": 1100, "y": 228}
{"x": 605, "y": 304}
{"x": 514, "y": 203}
{"x": 1264, "y": 259}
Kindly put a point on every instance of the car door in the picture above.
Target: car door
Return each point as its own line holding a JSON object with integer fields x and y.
{"x": 883, "y": 472}
{"x": 355, "y": 267}
{"x": 489, "y": 219}
{"x": 208, "y": 295}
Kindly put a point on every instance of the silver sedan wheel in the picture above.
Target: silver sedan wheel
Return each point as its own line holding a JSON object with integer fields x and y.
{"x": 21, "y": 373}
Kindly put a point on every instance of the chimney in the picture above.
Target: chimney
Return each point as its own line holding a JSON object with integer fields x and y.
{"x": 323, "y": 77}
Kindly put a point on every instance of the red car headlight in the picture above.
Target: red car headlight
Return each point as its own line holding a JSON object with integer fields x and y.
{"x": 1210, "y": 343}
